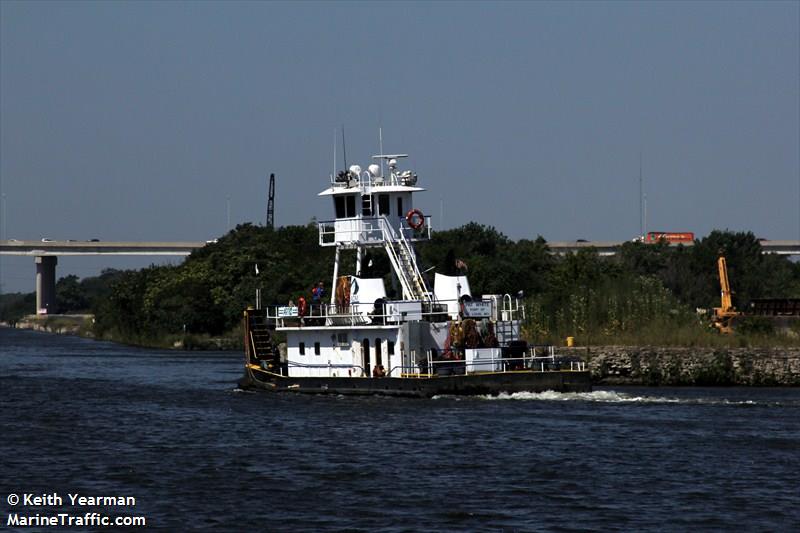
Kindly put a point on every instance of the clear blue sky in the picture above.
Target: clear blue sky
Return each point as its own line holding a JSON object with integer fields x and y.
{"x": 136, "y": 120}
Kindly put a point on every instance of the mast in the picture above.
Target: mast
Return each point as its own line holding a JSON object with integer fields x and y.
{"x": 271, "y": 203}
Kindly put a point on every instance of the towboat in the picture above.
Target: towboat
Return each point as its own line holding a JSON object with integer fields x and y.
{"x": 422, "y": 338}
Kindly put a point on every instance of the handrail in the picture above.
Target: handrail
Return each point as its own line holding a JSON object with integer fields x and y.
{"x": 575, "y": 366}
{"x": 415, "y": 371}
{"x": 390, "y": 238}
{"x": 358, "y": 313}
{"x": 320, "y": 365}
{"x": 364, "y": 230}
{"x": 413, "y": 258}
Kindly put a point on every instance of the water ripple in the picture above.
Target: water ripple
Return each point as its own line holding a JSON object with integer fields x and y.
{"x": 173, "y": 431}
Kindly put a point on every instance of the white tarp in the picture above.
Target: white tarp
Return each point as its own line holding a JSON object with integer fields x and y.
{"x": 448, "y": 289}
{"x": 364, "y": 292}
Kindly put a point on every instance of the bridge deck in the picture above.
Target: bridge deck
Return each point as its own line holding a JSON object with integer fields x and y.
{"x": 40, "y": 248}
{"x": 49, "y": 248}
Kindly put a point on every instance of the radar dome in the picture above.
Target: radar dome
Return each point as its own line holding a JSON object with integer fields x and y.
{"x": 355, "y": 169}
{"x": 374, "y": 170}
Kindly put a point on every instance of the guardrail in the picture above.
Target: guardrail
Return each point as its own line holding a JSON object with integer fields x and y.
{"x": 367, "y": 230}
{"x": 388, "y": 312}
{"x": 548, "y": 363}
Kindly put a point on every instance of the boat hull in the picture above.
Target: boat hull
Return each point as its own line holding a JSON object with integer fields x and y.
{"x": 473, "y": 384}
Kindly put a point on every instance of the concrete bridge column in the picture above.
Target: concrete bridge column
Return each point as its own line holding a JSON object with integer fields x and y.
{"x": 46, "y": 284}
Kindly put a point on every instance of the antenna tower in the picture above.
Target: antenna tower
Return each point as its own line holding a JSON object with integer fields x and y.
{"x": 271, "y": 202}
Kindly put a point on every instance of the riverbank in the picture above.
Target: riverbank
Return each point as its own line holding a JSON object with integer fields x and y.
{"x": 83, "y": 326}
{"x": 77, "y": 324}
{"x": 694, "y": 366}
{"x": 609, "y": 365}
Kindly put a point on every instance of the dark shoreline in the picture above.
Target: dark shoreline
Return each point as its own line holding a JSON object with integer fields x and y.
{"x": 81, "y": 326}
{"x": 609, "y": 365}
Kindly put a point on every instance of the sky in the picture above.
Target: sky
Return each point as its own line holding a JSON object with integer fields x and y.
{"x": 144, "y": 121}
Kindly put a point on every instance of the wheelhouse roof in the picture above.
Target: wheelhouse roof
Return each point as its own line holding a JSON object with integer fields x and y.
{"x": 375, "y": 189}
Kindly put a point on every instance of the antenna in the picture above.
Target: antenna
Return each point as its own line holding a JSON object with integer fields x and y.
{"x": 641, "y": 198}
{"x": 380, "y": 143}
{"x": 645, "y": 213}
{"x": 334, "y": 153}
{"x": 271, "y": 203}
{"x": 344, "y": 148}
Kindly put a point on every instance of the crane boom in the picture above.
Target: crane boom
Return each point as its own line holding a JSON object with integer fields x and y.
{"x": 271, "y": 202}
{"x": 726, "y": 303}
{"x": 725, "y": 314}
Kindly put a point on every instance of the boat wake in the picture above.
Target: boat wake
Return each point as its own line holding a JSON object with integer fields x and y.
{"x": 611, "y": 396}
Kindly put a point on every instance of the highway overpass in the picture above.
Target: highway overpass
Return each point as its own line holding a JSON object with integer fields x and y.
{"x": 55, "y": 248}
{"x": 46, "y": 252}
{"x": 611, "y": 247}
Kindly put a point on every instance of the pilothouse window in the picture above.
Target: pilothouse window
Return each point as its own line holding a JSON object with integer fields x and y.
{"x": 345, "y": 206}
{"x": 383, "y": 204}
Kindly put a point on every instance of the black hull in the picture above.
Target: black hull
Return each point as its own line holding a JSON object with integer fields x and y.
{"x": 476, "y": 384}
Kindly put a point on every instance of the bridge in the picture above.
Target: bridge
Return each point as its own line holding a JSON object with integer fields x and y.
{"x": 612, "y": 247}
{"x": 46, "y": 252}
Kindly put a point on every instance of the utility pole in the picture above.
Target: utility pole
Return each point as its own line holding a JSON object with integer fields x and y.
{"x": 641, "y": 198}
{"x": 271, "y": 203}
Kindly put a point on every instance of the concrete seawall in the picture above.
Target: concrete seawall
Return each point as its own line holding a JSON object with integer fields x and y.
{"x": 634, "y": 365}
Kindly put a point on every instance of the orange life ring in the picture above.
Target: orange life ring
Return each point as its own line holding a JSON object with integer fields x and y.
{"x": 415, "y": 219}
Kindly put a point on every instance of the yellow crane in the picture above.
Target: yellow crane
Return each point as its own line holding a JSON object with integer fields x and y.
{"x": 724, "y": 315}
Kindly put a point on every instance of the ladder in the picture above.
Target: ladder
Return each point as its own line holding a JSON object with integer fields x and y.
{"x": 404, "y": 262}
{"x": 261, "y": 343}
{"x": 366, "y": 193}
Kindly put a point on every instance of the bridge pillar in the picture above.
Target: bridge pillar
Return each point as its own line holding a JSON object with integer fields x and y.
{"x": 46, "y": 284}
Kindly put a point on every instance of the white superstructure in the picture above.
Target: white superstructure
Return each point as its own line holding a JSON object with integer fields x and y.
{"x": 359, "y": 329}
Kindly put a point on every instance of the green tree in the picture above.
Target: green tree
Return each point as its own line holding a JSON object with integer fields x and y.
{"x": 71, "y": 296}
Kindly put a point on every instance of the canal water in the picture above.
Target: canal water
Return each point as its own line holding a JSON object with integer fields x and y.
{"x": 171, "y": 430}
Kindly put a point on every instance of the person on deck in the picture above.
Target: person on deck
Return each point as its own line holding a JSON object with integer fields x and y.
{"x": 317, "y": 294}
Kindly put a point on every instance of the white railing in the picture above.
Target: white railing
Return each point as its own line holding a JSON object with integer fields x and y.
{"x": 361, "y": 313}
{"x": 512, "y": 309}
{"x": 401, "y": 178}
{"x": 366, "y": 231}
{"x": 354, "y": 314}
{"x": 433, "y": 367}
{"x": 537, "y": 364}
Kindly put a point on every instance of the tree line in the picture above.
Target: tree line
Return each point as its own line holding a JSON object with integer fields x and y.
{"x": 647, "y": 293}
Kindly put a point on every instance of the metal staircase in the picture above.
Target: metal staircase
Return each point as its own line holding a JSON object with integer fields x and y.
{"x": 262, "y": 346}
{"x": 404, "y": 262}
